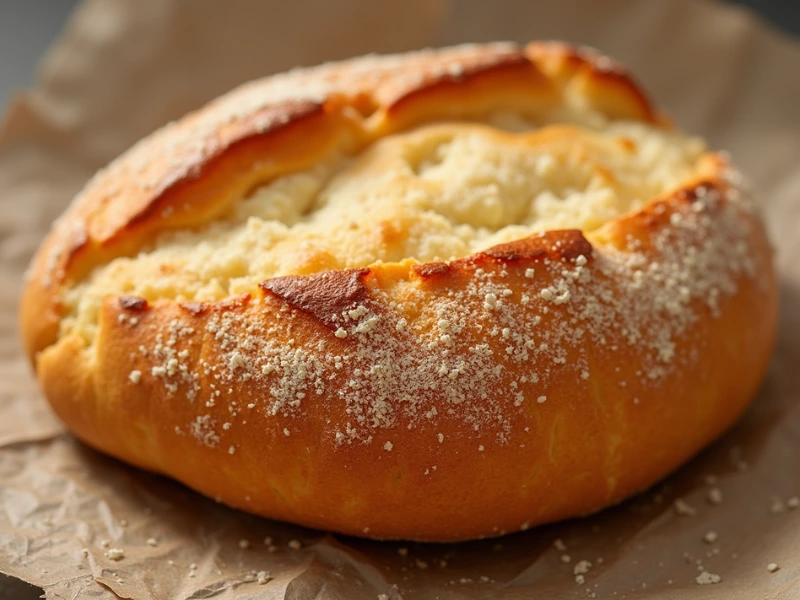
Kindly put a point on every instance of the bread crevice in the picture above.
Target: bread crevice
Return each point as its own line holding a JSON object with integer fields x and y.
{"x": 436, "y": 193}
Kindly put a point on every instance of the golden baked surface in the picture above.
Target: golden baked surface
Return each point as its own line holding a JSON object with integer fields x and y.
{"x": 435, "y": 296}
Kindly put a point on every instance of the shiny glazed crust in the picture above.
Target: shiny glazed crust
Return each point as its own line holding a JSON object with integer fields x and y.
{"x": 578, "y": 368}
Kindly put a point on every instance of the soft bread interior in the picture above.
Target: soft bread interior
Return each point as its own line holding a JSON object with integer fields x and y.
{"x": 438, "y": 192}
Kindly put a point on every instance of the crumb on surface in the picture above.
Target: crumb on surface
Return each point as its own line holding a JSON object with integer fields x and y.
{"x": 263, "y": 577}
{"x": 582, "y": 567}
{"x": 115, "y": 554}
{"x": 683, "y": 508}
{"x": 706, "y": 578}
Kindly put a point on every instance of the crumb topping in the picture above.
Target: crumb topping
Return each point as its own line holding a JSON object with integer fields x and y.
{"x": 475, "y": 352}
{"x": 481, "y": 352}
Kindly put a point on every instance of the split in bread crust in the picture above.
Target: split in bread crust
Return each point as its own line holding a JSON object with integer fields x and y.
{"x": 435, "y": 296}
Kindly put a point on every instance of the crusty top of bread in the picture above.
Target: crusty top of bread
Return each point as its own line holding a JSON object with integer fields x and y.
{"x": 191, "y": 172}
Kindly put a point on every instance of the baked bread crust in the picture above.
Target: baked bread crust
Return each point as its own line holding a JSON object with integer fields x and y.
{"x": 533, "y": 434}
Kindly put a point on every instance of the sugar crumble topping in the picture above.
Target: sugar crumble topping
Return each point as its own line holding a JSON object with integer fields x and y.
{"x": 478, "y": 354}
{"x": 202, "y": 428}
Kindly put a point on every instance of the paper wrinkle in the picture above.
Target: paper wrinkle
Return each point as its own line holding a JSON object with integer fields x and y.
{"x": 121, "y": 69}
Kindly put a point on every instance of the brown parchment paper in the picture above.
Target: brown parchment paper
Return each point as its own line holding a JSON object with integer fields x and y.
{"x": 123, "y": 68}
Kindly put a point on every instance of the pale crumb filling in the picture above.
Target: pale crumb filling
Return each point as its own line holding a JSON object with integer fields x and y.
{"x": 438, "y": 192}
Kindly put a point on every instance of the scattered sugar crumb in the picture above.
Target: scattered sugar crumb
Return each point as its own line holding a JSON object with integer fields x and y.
{"x": 683, "y": 508}
{"x": 388, "y": 446}
{"x": 237, "y": 361}
{"x": 559, "y": 545}
{"x": 541, "y": 399}
{"x": 710, "y": 537}
{"x": 772, "y": 567}
{"x": 341, "y": 333}
{"x": 793, "y": 502}
{"x": 715, "y": 496}
{"x": 263, "y": 577}
{"x": 566, "y": 558}
{"x": 115, "y": 553}
{"x": 151, "y": 541}
{"x": 244, "y": 544}
{"x": 706, "y": 578}
{"x": 582, "y": 567}
{"x": 295, "y": 544}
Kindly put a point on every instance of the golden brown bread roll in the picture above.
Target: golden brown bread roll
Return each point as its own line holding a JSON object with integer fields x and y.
{"x": 434, "y": 296}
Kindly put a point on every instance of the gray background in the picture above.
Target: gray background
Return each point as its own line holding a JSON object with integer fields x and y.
{"x": 28, "y": 27}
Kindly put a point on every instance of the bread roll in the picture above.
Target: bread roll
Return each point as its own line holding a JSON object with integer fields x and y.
{"x": 433, "y": 296}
